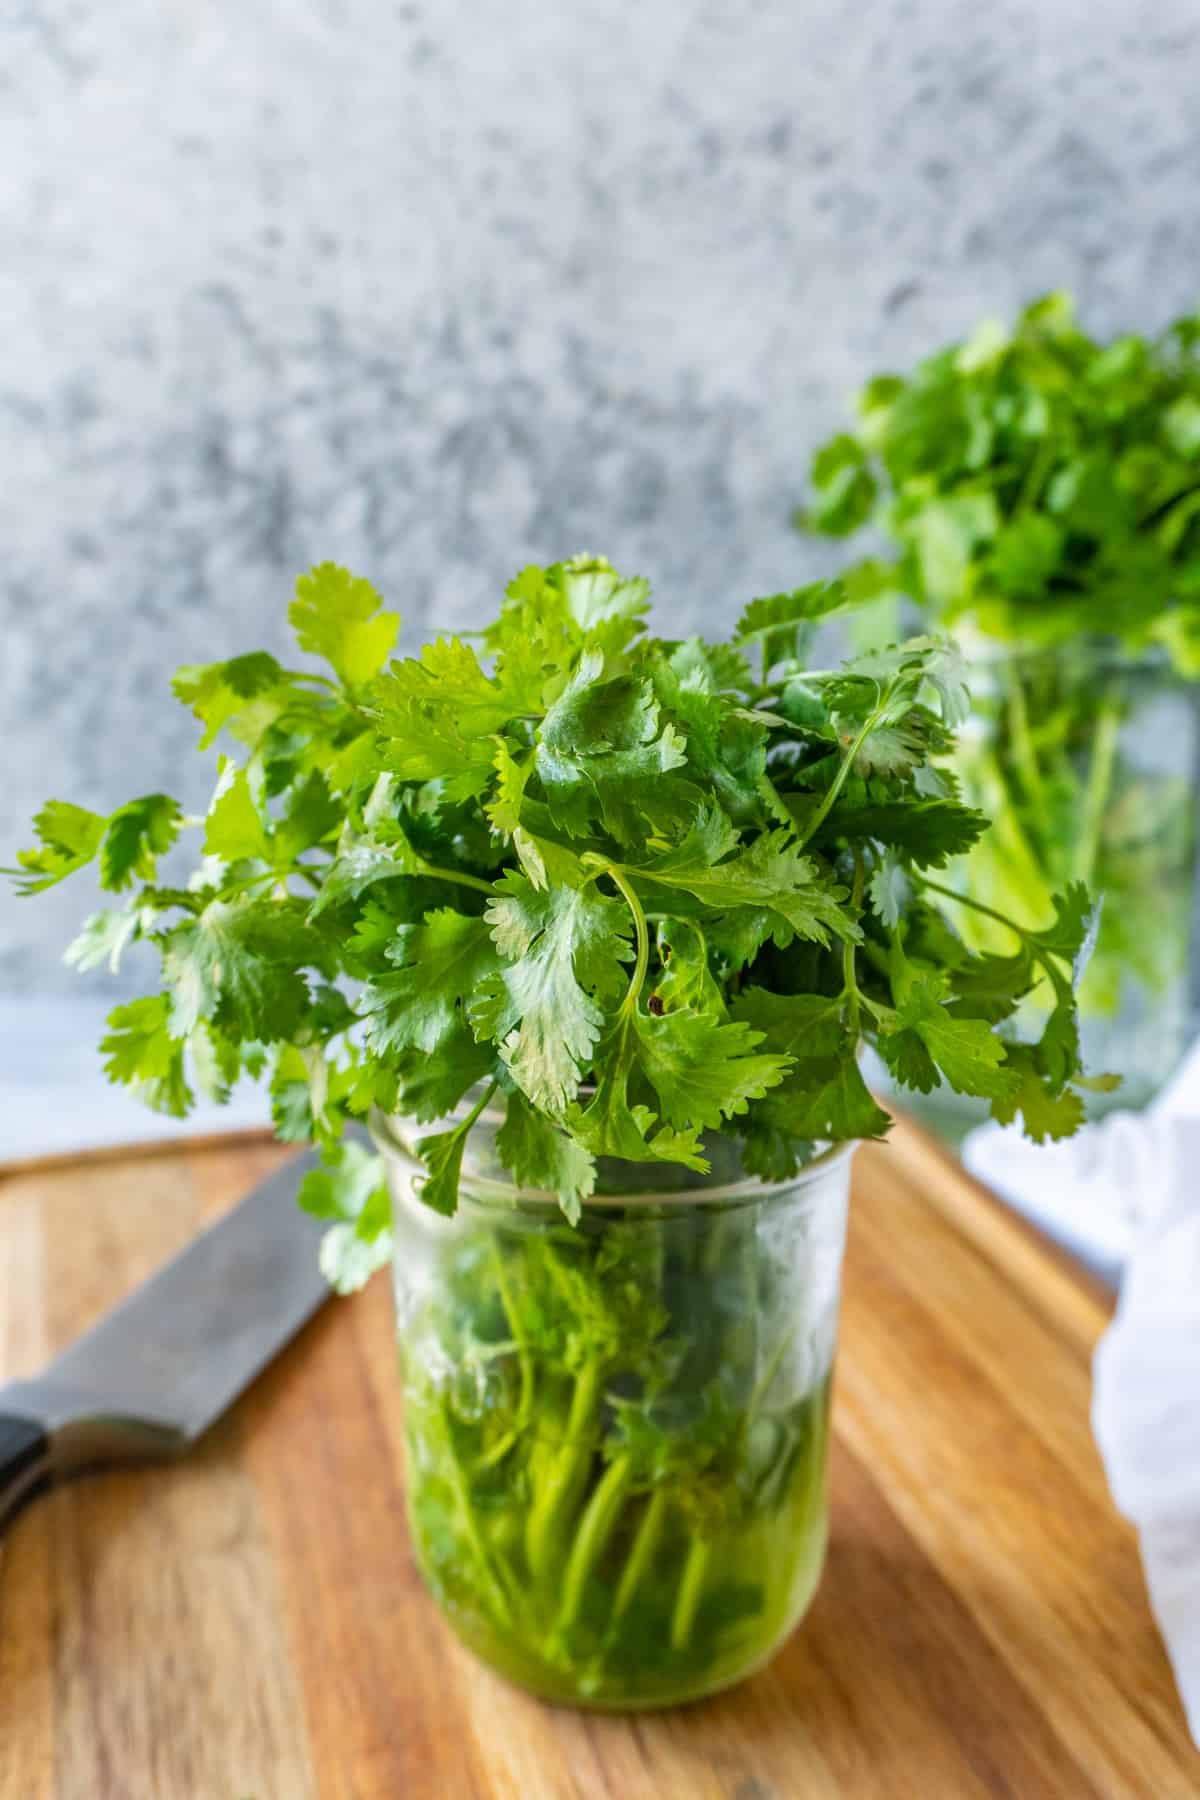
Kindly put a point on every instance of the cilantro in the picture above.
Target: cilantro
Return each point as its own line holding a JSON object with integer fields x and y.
{"x": 638, "y": 890}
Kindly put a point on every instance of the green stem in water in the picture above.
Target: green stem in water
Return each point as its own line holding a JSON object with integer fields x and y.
{"x": 501, "y": 1448}
{"x": 595, "y": 1529}
{"x": 687, "y": 1598}
{"x": 564, "y": 1480}
{"x": 1021, "y": 744}
{"x": 641, "y": 1555}
{"x": 1099, "y": 786}
{"x": 470, "y": 1525}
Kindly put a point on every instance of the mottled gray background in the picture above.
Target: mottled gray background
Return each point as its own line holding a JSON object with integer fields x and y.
{"x": 435, "y": 288}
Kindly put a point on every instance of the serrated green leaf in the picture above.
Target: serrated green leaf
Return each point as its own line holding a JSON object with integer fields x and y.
{"x": 362, "y": 865}
{"x": 228, "y": 693}
{"x": 239, "y": 963}
{"x": 137, "y": 834}
{"x": 602, "y": 753}
{"x": 928, "y": 832}
{"x": 337, "y": 615}
{"x": 887, "y": 888}
{"x": 441, "y": 965}
{"x": 966, "y": 1051}
{"x": 350, "y": 1191}
{"x": 780, "y": 623}
{"x": 538, "y": 1154}
{"x": 70, "y": 837}
{"x": 563, "y": 950}
{"x": 825, "y": 1100}
{"x": 103, "y": 939}
{"x": 703, "y": 1071}
{"x": 141, "y": 1053}
{"x": 235, "y": 828}
{"x": 772, "y": 872}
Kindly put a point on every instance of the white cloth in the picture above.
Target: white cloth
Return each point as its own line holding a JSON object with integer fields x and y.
{"x": 1126, "y": 1195}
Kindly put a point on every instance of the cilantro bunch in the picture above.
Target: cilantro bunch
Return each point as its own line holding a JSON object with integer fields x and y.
{"x": 640, "y": 890}
{"x": 1034, "y": 483}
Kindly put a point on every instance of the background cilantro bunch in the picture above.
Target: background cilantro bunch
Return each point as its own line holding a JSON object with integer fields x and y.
{"x": 1035, "y": 482}
{"x": 643, "y": 890}
{"x": 1040, "y": 494}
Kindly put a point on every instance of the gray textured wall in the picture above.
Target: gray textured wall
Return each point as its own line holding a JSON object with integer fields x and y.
{"x": 437, "y": 288}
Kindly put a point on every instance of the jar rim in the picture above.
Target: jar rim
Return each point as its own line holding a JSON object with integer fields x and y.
{"x": 749, "y": 1189}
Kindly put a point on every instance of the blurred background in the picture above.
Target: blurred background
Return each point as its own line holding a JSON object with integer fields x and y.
{"x": 433, "y": 291}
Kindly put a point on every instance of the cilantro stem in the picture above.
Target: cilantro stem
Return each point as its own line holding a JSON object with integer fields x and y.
{"x": 564, "y": 1481}
{"x": 599, "y": 1518}
{"x": 464, "y": 880}
{"x": 645, "y": 1543}
{"x": 849, "y": 967}
{"x": 641, "y": 935}
{"x": 1021, "y": 739}
{"x": 1099, "y": 785}
{"x": 687, "y": 1599}
{"x": 839, "y": 781}
{"x": 472, "y": 1531}
{"x": 935, "y": 887}
{"x": 1038, "y": 951}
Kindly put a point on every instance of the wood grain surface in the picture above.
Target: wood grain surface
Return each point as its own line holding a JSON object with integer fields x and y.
{"x": 249, "y": 1625}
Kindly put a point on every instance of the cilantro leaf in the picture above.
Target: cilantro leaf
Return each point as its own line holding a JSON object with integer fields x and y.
{"x": 239, "y": 963}
{"x": 338, "y": 616}
{"x": 928, "y": 832}
{"x": 609, "y": 1125}
{"x": 351, "y": 1192}
{"x": 440, "y": 964}
{"x": 235, "y": 828}
{"x": 137, "y": 835}
{"x": 539, "y": 1154}
{"x": 229, "y": 694}
{"x": 773, "y": 872}
{"x": 562, "y": 951}
{"x": 928, "y": 1038}
{"x": 824, "y": 1100}
{"x": 70, "y": 837}
{"x": 438, "y": 714}
{"x": 602, "y": 753}
{"x": 701, "y": 1070}
{"x": 780, "y": 624}
{"x": 141, "y": 1052}
{"x": 103, "y": 939}
{"x": 362, "y": 865}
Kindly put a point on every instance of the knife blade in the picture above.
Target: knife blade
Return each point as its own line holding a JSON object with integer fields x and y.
{"x": 157, "y": 1371}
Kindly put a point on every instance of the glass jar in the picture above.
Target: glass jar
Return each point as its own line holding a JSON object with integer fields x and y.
{"x": 1085, "y": 759}
{"x": 616, "y": 1432}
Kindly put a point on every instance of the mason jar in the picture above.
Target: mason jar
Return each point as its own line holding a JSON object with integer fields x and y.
{"x": 1085, "y": 758}
{"x": 616, "y": 1431}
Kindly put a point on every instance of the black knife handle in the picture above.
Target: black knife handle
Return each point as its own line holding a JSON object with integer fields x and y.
{"x": 24, "y": 1462}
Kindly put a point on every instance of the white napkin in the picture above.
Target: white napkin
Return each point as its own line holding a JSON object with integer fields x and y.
{"x": 1126, "y": 1195}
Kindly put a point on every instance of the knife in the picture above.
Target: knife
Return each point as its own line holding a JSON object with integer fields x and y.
{"x": 156, "y": 1372}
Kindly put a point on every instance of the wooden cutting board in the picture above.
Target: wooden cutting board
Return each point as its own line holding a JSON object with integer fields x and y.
{"x": 249, "y": 1625}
